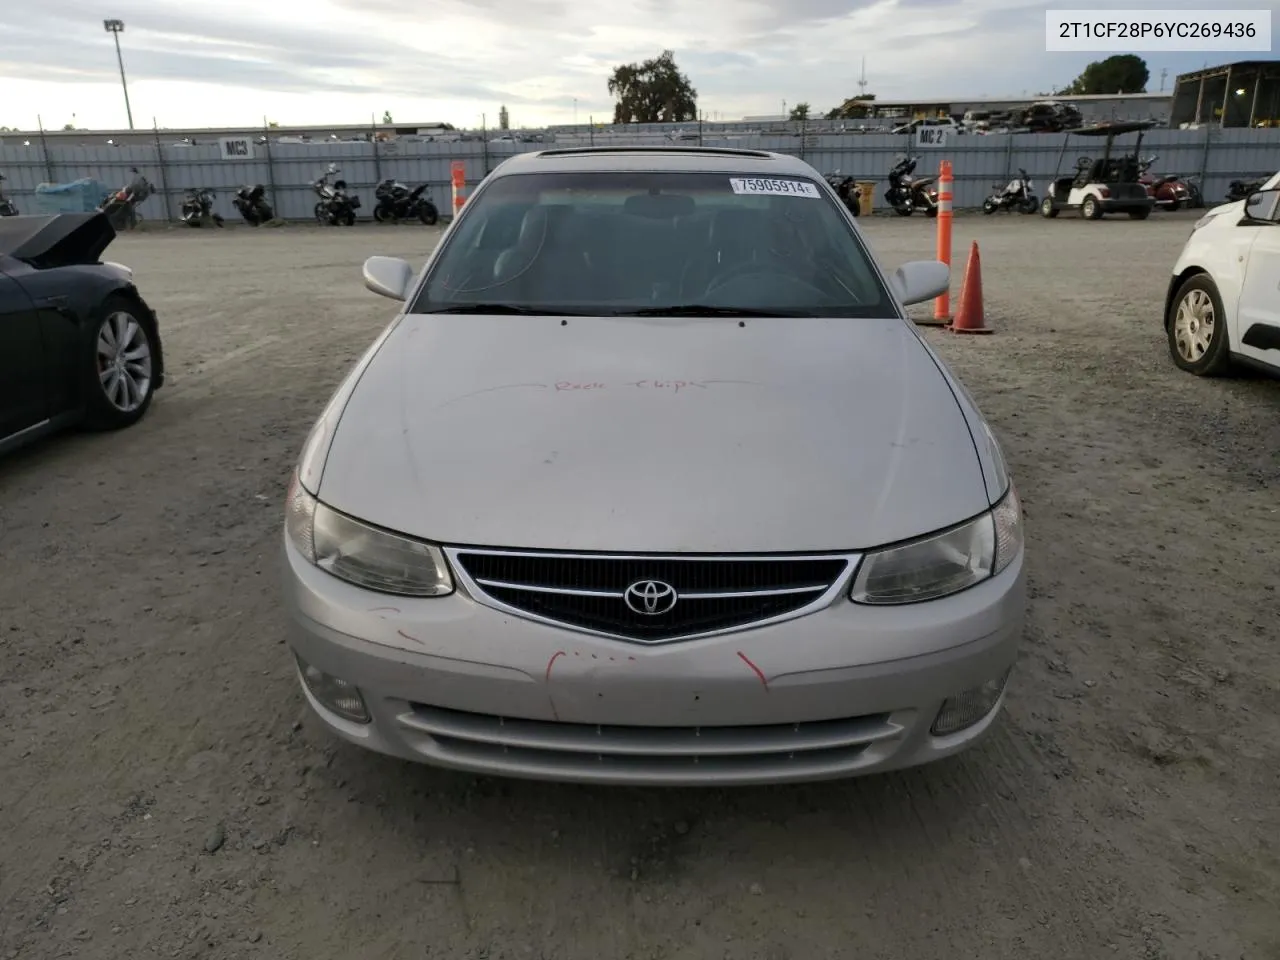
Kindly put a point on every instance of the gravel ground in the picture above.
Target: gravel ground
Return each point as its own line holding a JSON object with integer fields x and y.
{"x": 166, "y": 795}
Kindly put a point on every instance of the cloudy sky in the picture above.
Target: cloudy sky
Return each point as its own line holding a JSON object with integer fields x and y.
{"x": 231, "y": 62}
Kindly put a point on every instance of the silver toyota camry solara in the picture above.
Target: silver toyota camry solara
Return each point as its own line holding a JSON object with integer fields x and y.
{"x": 653, "y": 481}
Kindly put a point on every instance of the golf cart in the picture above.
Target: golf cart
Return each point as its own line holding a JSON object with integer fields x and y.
{"x": 1108, "y": 184}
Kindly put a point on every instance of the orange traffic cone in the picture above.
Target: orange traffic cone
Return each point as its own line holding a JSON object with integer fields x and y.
{"x": 969, "y": 316}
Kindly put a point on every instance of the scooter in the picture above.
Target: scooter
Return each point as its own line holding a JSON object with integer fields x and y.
{"x": 1195, "y": 193}
{"x": 846, "y": 189}
{"x": 7, "y": 209}
{"x": 1018, "y": 194}
{"x": 397, "y": 202}
{"x": 197, "y": 207}
{"x": 905, "y": 194}
{"x": 252, "y": 204}
{"x": 1169, "y": 192}
{"x": 335, "y": 205}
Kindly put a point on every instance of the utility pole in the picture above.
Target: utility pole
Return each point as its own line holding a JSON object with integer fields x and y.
{"x": 1164, "y": 72}
{"x": 114, "y": 27}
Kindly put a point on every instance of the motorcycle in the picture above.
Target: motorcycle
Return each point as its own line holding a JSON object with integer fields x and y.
{"x": 907, "y": 194}
{"x": 121, "y": 207}
{"x": 1240, "y": 189}
{"x": 7, "y": 209}
{"x": 253, "y": 206}
{"x": 197, "y": 207}
{"x": 1018, "y": 194}
{"x": 1169, "y": 192}
{"x": 335, "y": 205}
{"x": 397, "y": 202}
{"x": 846, "y": 189}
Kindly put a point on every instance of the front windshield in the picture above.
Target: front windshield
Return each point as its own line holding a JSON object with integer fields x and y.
{"x": 603, "y": 244}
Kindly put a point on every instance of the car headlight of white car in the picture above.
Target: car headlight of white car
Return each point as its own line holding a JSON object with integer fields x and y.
{"x": 943, "y": 563}
{"x": 361, "y": 554}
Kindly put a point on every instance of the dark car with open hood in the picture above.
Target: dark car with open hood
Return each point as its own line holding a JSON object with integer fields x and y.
{"x": 78, "y": 343}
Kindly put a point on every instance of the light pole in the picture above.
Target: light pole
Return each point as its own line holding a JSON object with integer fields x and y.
{"x": 575, "y": 111}
{"x": 114, "y": 27}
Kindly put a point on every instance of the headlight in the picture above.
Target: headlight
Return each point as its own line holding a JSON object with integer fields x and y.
{"x": 363, "y": 555}
{"x": 1203, "y": 221}
{"x": 945, "y": 563}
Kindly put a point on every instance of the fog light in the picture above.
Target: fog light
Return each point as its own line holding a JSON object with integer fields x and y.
{"x": 334, "y": 694}
{"x": 966, "y": 709}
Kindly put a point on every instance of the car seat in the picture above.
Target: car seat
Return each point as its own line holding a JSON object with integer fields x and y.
{"x": 539, "y": 265}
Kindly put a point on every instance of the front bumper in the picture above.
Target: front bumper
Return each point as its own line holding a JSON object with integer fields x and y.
{"x": 844, "y": 691}
{"x": 1125, "y": 204}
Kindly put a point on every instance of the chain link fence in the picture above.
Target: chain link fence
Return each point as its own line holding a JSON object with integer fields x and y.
{"x": 1215, "y": 155}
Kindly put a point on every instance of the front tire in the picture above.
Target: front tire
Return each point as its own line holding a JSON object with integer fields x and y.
{"x": 1196, "y": 328}
{"x": 1029, "y": 205}
{"x": 119, "y": 365}
{"x": 1048, "y": 208}
{"x": 1091, "y": 209}
{"x": 990, "y": 206}
{"x": 382, "y": 214}
{"x": 322, "y": 214}
{"x": 428, "y": 214}
{"x": 349, "y": 218}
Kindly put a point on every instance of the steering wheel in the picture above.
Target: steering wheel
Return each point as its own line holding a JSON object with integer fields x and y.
{"x": 756, "y": 268}
{"x": 1084, "y": 162}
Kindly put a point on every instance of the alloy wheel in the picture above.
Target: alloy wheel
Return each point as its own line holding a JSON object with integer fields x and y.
{"x": 124, "y": 361}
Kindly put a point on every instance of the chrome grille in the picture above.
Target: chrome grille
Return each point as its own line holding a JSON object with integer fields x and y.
{"x": 651, "y": 599}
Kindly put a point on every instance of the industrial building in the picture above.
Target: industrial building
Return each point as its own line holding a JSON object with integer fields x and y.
{"x": 1093, "y": 108}
{"x": 1242, "y": 94}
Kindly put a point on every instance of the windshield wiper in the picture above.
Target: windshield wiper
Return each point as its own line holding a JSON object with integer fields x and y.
{"x": 701, "y": 310}
{"x": 504, "y": 308}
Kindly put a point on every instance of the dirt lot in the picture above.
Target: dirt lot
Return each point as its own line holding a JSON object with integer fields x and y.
{"x": 165, "y": 793}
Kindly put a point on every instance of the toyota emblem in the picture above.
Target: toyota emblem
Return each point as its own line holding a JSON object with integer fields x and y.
{"x": 650, "y": 597}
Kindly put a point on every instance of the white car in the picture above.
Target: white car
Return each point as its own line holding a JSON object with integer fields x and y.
{"x": 1223, "y": 303}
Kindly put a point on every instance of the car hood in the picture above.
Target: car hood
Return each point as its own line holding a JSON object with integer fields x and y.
{"x": 654, "y": 435}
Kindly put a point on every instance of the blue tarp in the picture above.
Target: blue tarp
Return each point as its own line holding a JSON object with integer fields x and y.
{"x": 79, "y": 196}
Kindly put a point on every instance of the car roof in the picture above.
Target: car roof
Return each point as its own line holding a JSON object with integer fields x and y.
{"x": 616, "y": 159}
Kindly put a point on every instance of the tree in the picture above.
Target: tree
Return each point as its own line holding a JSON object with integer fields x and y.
{"x": 1123, "y": 73}
{"x": 386, "y": 117}
{"x": 68, "y": 126}
{"x": 854, "y": 108}
{"x": 800, "y": 111}
{"x": 654, "y": 91}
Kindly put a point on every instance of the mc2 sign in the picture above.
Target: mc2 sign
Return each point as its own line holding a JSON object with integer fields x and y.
{"x": 931, "y": 136}
{"x": 236, "y": 148}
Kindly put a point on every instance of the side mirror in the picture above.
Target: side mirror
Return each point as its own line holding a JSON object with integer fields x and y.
{"x": 388, "y": 277}
{"x": 920, "y": 280}
{"x": 1262, "y": 205}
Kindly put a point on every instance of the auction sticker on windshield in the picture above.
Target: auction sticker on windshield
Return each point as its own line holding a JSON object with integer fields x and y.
{"x": 776, "y": 188}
